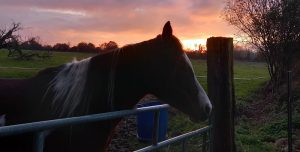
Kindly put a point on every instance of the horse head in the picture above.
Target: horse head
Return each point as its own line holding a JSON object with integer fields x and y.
{"x": 108, "y": 81}
{"x": 174, "y": 80}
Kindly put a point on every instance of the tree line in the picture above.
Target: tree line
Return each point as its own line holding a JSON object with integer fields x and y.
{"x": 85, "y": 47}
{"x": 241, "y": 53}
{"x": 10, "y": 40}
{"x": 34, "y": 44}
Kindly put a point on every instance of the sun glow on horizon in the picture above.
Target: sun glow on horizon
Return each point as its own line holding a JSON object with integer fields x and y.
{"x": 193, "y": 44}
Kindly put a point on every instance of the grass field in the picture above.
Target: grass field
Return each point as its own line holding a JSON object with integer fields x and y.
{"x": 249, "y": 77}
{"x": 8, "y": 65}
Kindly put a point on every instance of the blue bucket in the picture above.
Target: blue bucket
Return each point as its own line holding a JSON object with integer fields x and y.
{"x": 145, "y": 123}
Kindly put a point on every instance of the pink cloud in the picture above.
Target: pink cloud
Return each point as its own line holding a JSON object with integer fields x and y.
{"x": 125, "y": 21}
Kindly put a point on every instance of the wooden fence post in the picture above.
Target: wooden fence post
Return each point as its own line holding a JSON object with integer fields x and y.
{"x": 221, "y": 93}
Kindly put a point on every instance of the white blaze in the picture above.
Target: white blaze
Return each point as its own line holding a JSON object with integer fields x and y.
{"x": 202, "y": 96}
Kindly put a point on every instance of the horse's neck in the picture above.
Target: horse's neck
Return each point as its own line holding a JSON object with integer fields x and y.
{"x": 130, "y": 75}
{"x": 129, "y": 72}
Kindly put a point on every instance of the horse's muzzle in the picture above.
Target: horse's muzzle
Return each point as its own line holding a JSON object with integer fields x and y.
{"x": 202, "y": 116}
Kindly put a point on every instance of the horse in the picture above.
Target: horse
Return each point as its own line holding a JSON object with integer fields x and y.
{"x": 106, "y": 82}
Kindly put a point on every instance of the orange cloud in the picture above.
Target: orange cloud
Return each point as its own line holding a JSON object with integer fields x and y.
{"x": 123, "y": 21}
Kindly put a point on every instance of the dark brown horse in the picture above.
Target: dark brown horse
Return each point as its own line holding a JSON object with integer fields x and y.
{"x": 107, "y": 82}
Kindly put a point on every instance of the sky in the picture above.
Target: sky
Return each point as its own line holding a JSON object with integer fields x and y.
{"x": 122, "y": 21}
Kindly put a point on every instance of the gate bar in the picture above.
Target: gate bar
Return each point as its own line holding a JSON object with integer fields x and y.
{"x": 155, "y": 131}
{"x": 50, "y": 124}
{"x": 39, "y": 140}
{"x": 183, "y": 146}
{"x": 204, "y": 143}
{"x": 174, "y": 140}
{"x": 290, "y": 111}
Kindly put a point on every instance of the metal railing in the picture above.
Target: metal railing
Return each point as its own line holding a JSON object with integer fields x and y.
{"x": 42, "y": 126}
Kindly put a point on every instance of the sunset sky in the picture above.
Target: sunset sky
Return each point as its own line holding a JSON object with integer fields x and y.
{"x": 123, "y": 21}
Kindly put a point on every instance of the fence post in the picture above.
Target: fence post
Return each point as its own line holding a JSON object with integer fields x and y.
{"x": 221, "y": 93}
{"x": 183, "y": 146}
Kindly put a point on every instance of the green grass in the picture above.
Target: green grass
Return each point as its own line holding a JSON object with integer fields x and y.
{"x": 248, "y": 70}
{"x": 248, "y": 139}
{"x": 244, "y": 88}
{"x": 38, "y": 64}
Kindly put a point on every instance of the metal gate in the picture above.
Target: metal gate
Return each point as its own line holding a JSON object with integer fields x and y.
{"x": 42, "y": 126}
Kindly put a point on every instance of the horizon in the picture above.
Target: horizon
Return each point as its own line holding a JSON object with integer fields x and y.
{"x": 125, "y": 22}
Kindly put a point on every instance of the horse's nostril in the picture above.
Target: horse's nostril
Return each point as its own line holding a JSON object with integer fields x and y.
{"x": 207, "y": 109}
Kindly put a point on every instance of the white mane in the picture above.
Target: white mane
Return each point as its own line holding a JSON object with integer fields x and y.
{"x": 68, "y": 86}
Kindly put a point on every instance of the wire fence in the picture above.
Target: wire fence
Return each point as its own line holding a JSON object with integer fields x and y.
{"x": 237, "y": 78}
{"x": 20, "y": 68}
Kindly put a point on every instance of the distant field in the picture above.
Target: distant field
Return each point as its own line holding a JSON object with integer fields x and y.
{"x": 249, "y": 76}
{"x": 9, "y": 67}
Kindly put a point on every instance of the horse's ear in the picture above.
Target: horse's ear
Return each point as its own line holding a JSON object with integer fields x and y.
{"x": 167, "y": 31}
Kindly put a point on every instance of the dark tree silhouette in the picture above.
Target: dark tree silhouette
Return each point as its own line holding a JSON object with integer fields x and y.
{"x": 85, "y": 47}
{"x": 32, "y": 44}
{"x": 8, "y": 35}
{"x": 61, "y": 47}
{"x": 108, "y": 46}
{"x": 11, "y": 41}
{"x": 273, "y": 26}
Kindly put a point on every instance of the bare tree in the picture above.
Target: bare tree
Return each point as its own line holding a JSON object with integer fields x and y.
{"x": 8, "y": 35}
{"x": 273, "y": 26}
{"x": 10, "y": 40}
